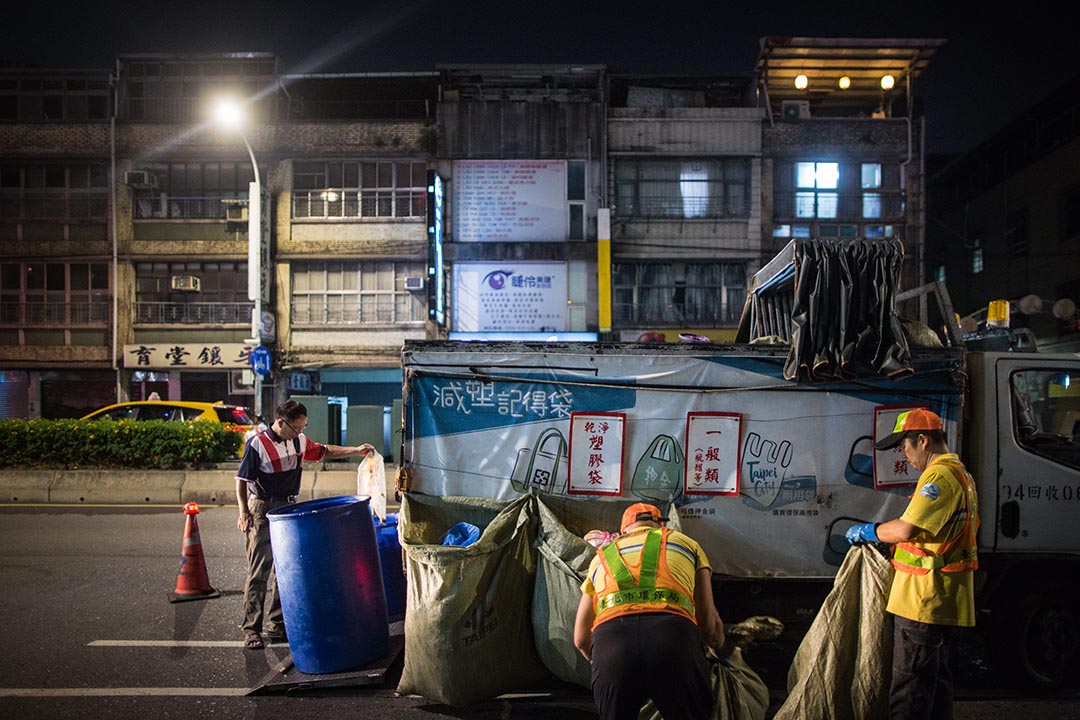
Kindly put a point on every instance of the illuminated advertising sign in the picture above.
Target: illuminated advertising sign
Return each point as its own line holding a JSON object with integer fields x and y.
{"x": 436, "y": 276}
{"x": 510, "y": 201}
{"x": 509, "y": 297}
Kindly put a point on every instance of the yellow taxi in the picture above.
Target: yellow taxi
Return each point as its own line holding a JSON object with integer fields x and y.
{"x": 179, "y": 410}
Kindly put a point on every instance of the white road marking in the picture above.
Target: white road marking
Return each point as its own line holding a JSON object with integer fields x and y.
{"x": 121, "y": 692}
{"x": 173, "y": 643}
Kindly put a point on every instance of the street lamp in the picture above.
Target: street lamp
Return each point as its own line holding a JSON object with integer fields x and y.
{"x": 230, "y": 114}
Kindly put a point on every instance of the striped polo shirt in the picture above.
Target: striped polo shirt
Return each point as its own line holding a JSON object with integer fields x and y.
{"x": 272, "y": 467}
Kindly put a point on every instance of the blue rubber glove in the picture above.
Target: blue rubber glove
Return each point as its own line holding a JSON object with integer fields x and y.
{"x": 859, "y": 534}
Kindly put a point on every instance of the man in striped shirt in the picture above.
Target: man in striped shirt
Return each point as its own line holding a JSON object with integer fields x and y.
{"x": 269, "y": 477}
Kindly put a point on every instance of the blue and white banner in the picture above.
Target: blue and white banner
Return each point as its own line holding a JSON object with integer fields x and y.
{"x": 495, "y": 420}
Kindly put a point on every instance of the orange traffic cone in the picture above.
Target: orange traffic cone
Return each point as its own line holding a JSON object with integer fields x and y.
{"x": 192, "y": 583}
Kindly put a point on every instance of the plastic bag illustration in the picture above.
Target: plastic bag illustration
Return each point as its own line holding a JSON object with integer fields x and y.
{"x": 543, "y": 466}
{"x": 860, "y": 466}
{"x": 765, "y": 464}
{"x": 659, "y": 472}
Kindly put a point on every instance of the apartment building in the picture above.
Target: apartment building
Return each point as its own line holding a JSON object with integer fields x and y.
{"x": 469, "y": 202}
{"x": 1005, "y": 222}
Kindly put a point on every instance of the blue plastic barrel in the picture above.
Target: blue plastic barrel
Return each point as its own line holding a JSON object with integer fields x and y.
{"x": 330, "y": 582}
{"x": 390, "y": 556}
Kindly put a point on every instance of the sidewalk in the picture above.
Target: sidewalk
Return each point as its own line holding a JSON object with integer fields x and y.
{"x": 214, "y": 486}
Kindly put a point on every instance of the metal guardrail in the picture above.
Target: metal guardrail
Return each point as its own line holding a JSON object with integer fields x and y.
{"x": 58, "y": 205}
{"x": 193, "y": 313}
{"x": 380, "y": 312}
{"x": 341, "y": 203}
{"x": 162, "y": 206}
{"x": 58, "y": 314}
{"x": 673, "y": 206}
{"x": 884, "y": 206}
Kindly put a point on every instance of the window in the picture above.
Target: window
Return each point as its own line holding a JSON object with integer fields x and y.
{"x": 221, "y": 296}
{"x": 1016, "y": 233}
{"x": 679, "y": 294}
{"x": 575, "y": 195}
{"x": 46, "y": 294}
{"x": 977, "y": 258}
{"x": 181, "y": 90}
{"x": 357, "y": 293}
{"x": 54, "y": 191}
{"x": 816, "y": 184}
{"x": 360, "y": 189}
{"x": 192, "y": 190}
{"x": 54, "y": 99}
{"x": 1046, "y": 414}
{"x": 871, "y": 180}
{"x": 1069, "y": 212}
{"x": 686, "y": 188}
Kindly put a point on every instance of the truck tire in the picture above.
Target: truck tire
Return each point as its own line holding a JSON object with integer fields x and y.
{"x": 1036, "y": 638}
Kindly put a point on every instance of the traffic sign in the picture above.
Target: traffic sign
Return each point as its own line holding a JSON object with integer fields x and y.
{"x": 261, "y": 360}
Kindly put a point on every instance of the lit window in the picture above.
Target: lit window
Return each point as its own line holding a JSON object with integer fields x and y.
{"x": 811, "y": 179}
{"x": 679, "y": 294}
{"x": 871, "y": 180}
{"x": 357, "y": 293}
{"x": 682, "y": 188}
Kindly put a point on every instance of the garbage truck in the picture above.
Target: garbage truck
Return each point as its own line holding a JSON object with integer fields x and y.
{"x": 765, "y": 446}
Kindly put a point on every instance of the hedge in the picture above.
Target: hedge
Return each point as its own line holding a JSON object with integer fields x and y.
{"x": 159, "y": 444}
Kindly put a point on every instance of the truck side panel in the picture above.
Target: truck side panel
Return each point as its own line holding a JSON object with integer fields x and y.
{"x": 494, "y": 421}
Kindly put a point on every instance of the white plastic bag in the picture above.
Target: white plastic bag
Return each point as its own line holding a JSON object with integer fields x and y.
{"x": 371, "y": 481}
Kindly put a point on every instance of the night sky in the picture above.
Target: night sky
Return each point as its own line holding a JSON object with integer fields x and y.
{"x": 995, "y": 64}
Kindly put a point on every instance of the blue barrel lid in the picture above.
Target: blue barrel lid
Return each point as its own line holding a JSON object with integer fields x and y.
{"x": 312, "y": 507}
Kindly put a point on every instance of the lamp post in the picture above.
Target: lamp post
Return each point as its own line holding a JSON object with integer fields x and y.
{"x": 230, "y": 114}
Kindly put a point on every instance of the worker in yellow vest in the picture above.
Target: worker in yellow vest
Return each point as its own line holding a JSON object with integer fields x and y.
{"x": 932, "y": 594}
{"x": 646, "y": 608}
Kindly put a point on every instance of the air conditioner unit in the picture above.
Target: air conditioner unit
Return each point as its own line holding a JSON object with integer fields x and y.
{"x": 188, "y": 283}
{"x": 141, "y": 179}
{"x": 794, "y": 110}
{"x": 414, "y": 283}
{"x": 236, "y": 213}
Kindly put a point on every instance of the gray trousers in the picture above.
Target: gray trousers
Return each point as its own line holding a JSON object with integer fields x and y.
{"x": 260, "y": 589}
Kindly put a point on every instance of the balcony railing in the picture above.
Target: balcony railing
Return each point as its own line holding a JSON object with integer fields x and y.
{"x": 881, "y": 206}
{"x": 170, "y": 207}
{"x": 672, "y": 206}
{"x": 359, "y": 203}
{"x": 194, "y": 313}
{"x": 401, "y": 308}
{"x": 55, "y": 314}
{"x": 57, "y": 205}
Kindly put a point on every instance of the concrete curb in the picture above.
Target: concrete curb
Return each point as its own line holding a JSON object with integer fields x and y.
{"x": 160, "y": 487}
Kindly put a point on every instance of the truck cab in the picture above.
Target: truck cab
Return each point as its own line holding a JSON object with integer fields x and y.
{"x": 1021, "y": 442}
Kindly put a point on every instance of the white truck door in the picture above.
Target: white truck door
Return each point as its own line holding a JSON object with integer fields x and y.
{"x": 1038, "y": 434}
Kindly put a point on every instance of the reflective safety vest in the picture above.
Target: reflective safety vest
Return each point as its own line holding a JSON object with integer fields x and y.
{"x": 651, "y": 589}
{"x": 959, "y": 553}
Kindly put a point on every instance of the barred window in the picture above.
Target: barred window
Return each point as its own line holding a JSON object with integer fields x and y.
{"x": 357, "y": 293}
{"x": 359, "y": 189}
{"x": 53, "y": 191}
{"x": 682, "y": 188}
{"x": 54, "y": 294}
{"x": 191, "y": 190}
{"x": 679, "y": 294}
{"x": 192, "y": 293}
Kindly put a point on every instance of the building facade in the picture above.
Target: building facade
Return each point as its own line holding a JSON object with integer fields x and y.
{"x": 1005, "y": 223}
{"x": 470, "y": 202}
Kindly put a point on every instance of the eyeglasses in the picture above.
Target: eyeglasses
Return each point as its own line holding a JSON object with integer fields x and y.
{"x": 288, "y": 425}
